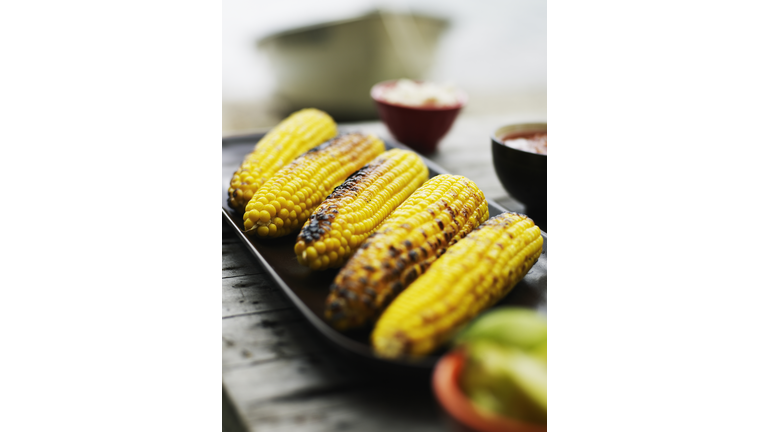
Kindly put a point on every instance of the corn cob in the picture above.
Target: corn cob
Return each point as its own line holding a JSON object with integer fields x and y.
{"x": 287, "y": 199}
{"x": 445, "y": 209}
{"x": 295, "y": 135}
{"x": 472, "y": 275}
{"x": 357, "y": 207}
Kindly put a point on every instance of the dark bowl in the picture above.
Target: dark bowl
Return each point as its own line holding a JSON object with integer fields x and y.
{"x": 523, "y": 174}
{"x": 420, "y": 128}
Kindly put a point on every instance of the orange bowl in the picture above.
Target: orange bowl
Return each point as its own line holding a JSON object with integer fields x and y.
{"x": 445, "y": 383}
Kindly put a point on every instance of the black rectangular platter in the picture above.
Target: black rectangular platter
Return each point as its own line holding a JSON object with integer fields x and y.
{"x": 307, "y": 289}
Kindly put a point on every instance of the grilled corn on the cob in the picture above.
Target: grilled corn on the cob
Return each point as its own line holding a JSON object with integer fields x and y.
{"x": 443, "y": 210}
{"x": 287, "y": 199}
{"x": 472, "y": 275}
{"x": 296, "y": 134}
{"x": 357, "y": 207}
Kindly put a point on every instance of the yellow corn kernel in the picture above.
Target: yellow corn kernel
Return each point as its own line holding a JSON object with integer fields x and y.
{"x": 315, "y": 174}
{"x": 295, "y": 135}
{"x": 320, "y": 247}
{"x": 403, "y": 247}
{"x": 360, "y": 204}
{"x": 310, "y": 253}
{"x": 471, "y": 276}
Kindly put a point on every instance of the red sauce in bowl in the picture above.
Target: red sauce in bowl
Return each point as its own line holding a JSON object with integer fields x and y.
{"x": 533, "y": 142}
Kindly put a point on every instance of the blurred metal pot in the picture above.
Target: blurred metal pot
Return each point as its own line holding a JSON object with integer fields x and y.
{"x": 332, "y": 66}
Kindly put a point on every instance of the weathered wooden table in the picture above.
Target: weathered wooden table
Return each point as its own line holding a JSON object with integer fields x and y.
{"x": 280, "y": 375}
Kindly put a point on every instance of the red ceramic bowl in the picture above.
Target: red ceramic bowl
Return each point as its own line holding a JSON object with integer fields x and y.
{"x": 420, "y": 128}
{"x": 445, "y": 384}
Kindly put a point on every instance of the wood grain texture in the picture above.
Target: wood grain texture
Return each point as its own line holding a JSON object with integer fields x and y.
{"x": 279, "y": 375}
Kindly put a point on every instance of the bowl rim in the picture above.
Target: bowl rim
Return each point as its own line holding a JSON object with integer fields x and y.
{"x": 376, "y": 91}
{"x": 450, "y": 396}
{"x": 524, "y": 128}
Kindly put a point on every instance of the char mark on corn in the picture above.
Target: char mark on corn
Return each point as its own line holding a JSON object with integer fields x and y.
{"x": 320, "y": 222}
{"x": 471, "y": 276}
{"x": 288, "y": 198}
{"x": 439, "y": 213}
{"x": 357, "y": 207}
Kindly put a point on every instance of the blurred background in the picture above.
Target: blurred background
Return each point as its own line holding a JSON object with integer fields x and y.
{"x": 281, "y": 56}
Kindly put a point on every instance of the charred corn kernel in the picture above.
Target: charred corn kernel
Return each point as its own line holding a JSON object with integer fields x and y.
{"x": 315, "y": 174}
{"x": 360, "y": 204}
{"x": 295, "y": 135}
{"x": 439, "y": 213}
{"x": 471, "y": 276}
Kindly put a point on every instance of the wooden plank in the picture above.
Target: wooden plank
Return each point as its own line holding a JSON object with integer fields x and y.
{"x": 328, "y": 392}
{"x": 249, "y": 294}
{"x": 236, "y": 261}
{"x": 261, "y": 382}
{"x": 230, "y": 419}
{"x": 281, "y": 376}
{"x": 395, "y": 406}
{"x": 267, "y": 336}
{"x": 246, "y": 287}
